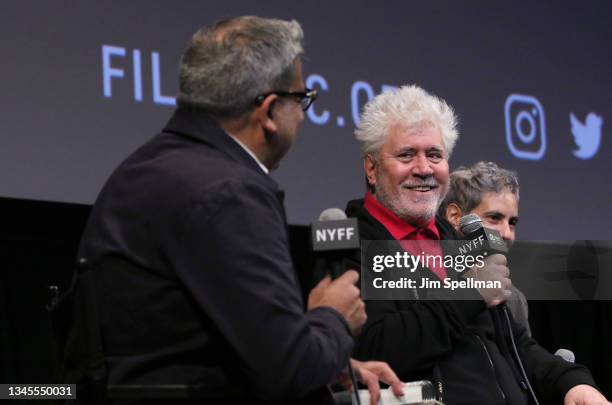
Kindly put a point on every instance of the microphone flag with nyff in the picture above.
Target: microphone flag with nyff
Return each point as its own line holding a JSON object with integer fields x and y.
{"x": 334, "y": 231}
{"x": 479, "y": 240}
{"x": 333, "y": 237}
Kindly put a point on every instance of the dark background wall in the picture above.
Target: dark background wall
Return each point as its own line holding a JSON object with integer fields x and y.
{"x": 38, "y": 242}
{"x": 62, "y": 131}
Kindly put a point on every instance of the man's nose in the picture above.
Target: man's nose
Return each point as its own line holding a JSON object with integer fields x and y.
{"x": 507, "y": 233}
{"x": 422, "y": 167}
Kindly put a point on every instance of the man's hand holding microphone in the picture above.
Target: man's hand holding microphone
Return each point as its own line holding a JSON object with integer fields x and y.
{"x": 495, "y": 269}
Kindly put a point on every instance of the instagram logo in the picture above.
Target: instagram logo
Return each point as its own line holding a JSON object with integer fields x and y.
{"x": 525, "y": 127}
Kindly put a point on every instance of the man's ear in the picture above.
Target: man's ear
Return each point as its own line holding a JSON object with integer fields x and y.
{"x": 270, "y": 110}
{"x": 265, "y": 113}
{"x": 369, "y": 166}
{"x": 453, "y": 215}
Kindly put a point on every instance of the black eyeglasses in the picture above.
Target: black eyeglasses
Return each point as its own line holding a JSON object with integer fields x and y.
{"x": 305, "y": 98}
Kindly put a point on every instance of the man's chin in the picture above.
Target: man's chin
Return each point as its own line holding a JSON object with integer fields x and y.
{"x": 418, "y": 218}
{"x": 423, "y": 207}
{"x": 419, "y": 212}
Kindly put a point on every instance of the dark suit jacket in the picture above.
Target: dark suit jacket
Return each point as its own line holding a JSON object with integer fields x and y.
{"x": 457, "y": 343}
{"x": 194, "y": 281}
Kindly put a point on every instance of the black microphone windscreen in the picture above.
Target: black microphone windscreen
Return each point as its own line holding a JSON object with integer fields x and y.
{"x": 469, "y": 223}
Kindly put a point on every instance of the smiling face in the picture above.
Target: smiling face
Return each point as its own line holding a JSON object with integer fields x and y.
{"x": 410, "y": 172}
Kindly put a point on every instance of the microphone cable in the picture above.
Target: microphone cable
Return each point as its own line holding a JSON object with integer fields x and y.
{"x": 516, "y": 354}
{"x": 472, "y": 223}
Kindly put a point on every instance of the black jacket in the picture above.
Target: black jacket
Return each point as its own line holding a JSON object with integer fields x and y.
{"x": 455, "y": 343}
{"x": 193, "y": 276}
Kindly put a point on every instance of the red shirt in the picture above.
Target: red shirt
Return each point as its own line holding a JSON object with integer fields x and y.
{"x": 403, "y": 231}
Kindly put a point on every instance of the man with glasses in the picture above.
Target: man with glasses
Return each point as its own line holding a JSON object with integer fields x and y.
{"x": 188, "y": 238}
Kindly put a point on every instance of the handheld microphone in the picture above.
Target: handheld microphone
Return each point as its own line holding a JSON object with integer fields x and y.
{"x": 478, "y": 239}
{"x": 334, "y": 236}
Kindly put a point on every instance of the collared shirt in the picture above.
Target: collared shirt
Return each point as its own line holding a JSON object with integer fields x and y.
{"x": 264, "y": 168}
{"x": 403, "y": 231}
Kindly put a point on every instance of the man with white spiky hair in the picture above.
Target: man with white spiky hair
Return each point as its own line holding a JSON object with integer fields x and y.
{"x": 407, "y": 137}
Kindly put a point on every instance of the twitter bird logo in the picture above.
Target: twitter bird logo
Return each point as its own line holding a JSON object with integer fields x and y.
{"x": 587, "y": 136}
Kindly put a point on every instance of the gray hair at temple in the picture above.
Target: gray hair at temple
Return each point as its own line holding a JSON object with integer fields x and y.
{"x": 409, "y": 106}
{"x": 225, "y": 67}
{"x": 468, "y": 184}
